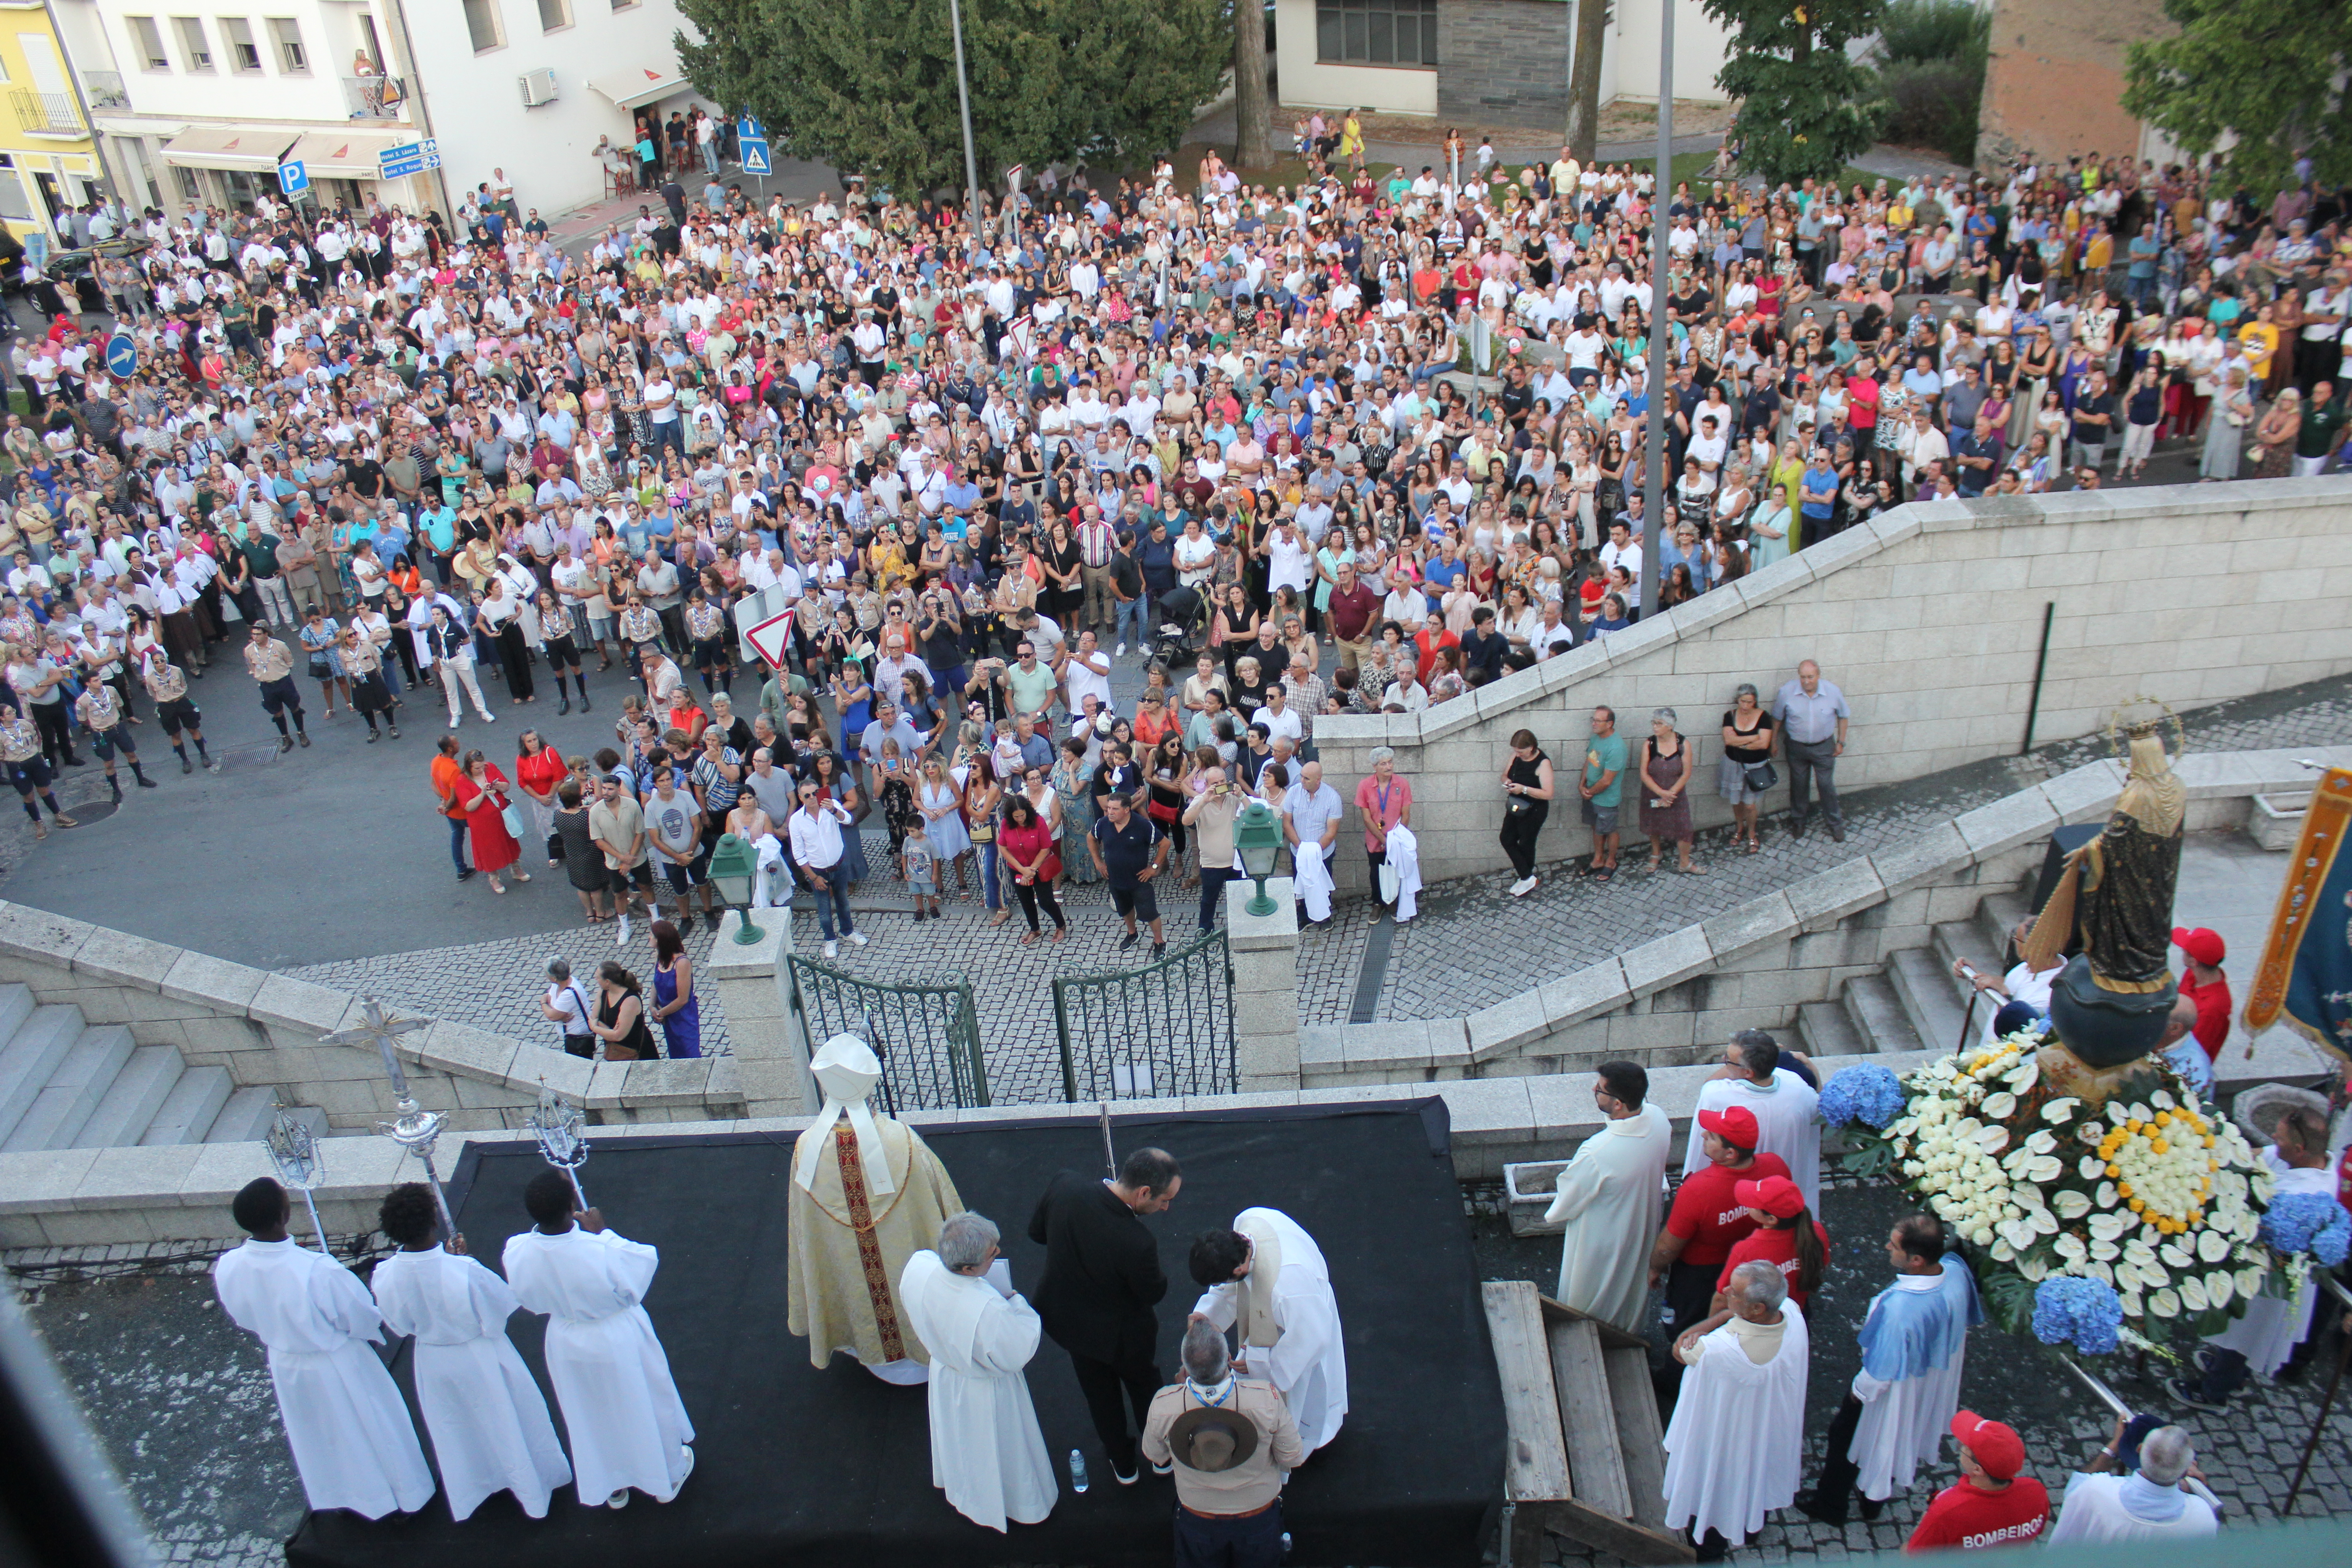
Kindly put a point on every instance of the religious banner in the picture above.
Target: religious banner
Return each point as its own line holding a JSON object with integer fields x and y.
{"x": 2305, "y": 976}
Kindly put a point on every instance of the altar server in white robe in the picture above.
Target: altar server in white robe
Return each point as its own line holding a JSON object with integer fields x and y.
{"x": 2146, "y": 1505}
{"x": 1902, "y": 1400}
{"x": 1610, "y": 1198}
{"x": 1267, "y": 1276}
{"x": 2261, "y": 1341}
{"x": 1740, "y": 1422}
{"x": 987, "y": 1452}
{"x": 354, "y": 1446}
{"x": 488, "y": 1420}
{"x": 621, "y": 1410}
{"x": 1784, "y": 1104}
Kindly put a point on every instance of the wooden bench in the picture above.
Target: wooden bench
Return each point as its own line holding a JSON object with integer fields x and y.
{"x": 1586, "y": 1452}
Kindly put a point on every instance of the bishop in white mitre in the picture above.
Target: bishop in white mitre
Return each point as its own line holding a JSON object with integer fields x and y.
{"x": 488, "y": 1420}
{"x": 627, "y": 1426}
{"x": 1733, "y": 1448}
{"x": 1611, "y": 1197}
{"x": 1266, "y": 1277}
{"x": 987, "y": 1453}
{"x": 354, "y": 1446}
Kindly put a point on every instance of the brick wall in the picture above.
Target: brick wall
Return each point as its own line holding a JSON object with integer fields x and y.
{"x": 2053, "y": 84}
{"x": 1502, "y": 63}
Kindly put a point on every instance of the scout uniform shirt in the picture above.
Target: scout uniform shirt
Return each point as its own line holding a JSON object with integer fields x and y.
{"x": 20, "y": 741}
{"x": 99, "y": 707}
{"x": 162, "y": 678}
{"x": 268, "y": 660}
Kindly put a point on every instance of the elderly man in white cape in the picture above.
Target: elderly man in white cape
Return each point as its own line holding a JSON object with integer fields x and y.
{"x": 354, "y": 1446}
{"x": 867, "y": 1194}
{"x": 987, "y": 1452}
{"x": 627, "y": 1426}
{"x": 1733, "y": 1448}
{"x": 1902, "y": 1400}
{"x": 1610, "y": 1196}
{"x": 1267, "y": 1276}
{"x": 488, "y": 1420}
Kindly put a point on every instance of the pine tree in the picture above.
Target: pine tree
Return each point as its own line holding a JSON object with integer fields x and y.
{"x": 1806, "y": 108}
{"x": 869, "y": 86}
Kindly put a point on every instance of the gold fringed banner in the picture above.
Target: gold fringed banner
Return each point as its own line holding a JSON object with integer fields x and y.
{"x": 2301, "y": 976}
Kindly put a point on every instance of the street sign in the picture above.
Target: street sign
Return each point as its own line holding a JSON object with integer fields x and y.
{"x": 771, "y": 638}
{"x": 292, "y": 177}
{"x": 1012, "y": 176}
{"x": 751, "y": 147}
{"x": 409, "y": 158}
{"x": 121, "y": 356}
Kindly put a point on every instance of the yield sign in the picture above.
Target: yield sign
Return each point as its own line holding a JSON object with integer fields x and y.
{"x": 772, "y": 638}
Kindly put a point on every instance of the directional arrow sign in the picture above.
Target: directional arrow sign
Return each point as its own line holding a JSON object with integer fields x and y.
{"x": 771, "y": 638}
{"x": 749, "y": 129}
{"x": 121, "y": 356}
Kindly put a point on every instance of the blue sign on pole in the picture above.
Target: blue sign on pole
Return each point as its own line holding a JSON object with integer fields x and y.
{"x": 292, "y": 177}
{"x": 751, "y": 147}
{"x": 409, "y": 158}
{"x": 121, "y": 356}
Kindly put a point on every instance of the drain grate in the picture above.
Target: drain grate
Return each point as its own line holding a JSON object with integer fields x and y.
{"x": 245, "y": 758}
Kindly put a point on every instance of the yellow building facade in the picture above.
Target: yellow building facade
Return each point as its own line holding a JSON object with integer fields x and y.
{"x": 47, "y": 162}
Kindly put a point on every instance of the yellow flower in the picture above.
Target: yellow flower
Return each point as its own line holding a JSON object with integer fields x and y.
{"x": 2162, "y": 1147}
{"x": 2123, "y": 1189}
{"x": 2137, "y": 1205}
{"x": 2164, "y": 1119}
{"x": 2133, "y": 1125}
{"x": 2113, "y": 1170}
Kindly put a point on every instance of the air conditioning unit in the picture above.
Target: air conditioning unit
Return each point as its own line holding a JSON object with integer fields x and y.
{"x": 538, "y": 88}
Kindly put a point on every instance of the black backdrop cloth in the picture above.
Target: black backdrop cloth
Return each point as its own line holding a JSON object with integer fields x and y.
{"x": 815, "y": 1470}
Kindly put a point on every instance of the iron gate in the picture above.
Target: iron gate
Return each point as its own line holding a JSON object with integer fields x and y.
{"x": 925, "y": 1033}
{"x": 1165, "y": 1029}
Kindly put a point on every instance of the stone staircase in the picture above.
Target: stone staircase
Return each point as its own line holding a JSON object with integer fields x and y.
{"x": 68, "y": 1084}
{"x": 1915, "y": 1003}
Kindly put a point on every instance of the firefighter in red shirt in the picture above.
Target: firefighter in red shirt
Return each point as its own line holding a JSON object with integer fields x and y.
{"x": 1991, "y": 1504}
{"x": 2205, "y": 985}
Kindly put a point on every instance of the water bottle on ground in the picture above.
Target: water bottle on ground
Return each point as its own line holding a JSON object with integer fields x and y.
{"x": 1077, "y": 1471}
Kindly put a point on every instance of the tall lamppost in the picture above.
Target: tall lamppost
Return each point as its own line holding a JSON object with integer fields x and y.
{"x": 963, "y": 100}
{"x": 1654, "y": 472}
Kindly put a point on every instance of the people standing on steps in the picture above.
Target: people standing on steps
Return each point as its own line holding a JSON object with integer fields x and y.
{"x": 271, "y": 666}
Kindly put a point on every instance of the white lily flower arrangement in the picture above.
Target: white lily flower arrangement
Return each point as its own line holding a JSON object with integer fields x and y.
{"x": 2158, "y": 1196}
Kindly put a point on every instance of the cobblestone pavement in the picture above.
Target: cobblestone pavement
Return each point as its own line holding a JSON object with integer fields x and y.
{"x": 497, "y": 985}
{"x": 1474, "y": 945}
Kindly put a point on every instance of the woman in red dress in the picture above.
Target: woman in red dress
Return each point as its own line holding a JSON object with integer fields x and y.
{"x": 482, "y": 794}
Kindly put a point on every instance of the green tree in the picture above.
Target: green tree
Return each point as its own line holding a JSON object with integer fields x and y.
{"x": 869, "y": 86}
{"x": 1806, "y": 106}
{"x": 2269, "y": 72}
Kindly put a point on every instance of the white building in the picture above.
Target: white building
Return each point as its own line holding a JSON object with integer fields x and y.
{"x": 1480, "y": 63}
{"x": 198, "y": 105}
{"x": 530, "y": 86}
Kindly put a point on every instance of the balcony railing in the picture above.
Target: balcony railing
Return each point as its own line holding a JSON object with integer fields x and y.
{"x": 374, "y": 97}
{"x": 105, "y": 90}
{"x": 45, "y": 112}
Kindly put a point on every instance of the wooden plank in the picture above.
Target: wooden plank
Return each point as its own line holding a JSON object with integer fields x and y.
{"x": 1596, "y": 1469}
{"x": 1640, "y": 1439}
{"x": 1536, "y": 1467}
{"x": 1611, "y": 1336}
{"x": 1620, "y": 1538}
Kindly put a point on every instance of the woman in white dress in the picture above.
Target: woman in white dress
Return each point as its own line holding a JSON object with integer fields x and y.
{"x": 938, "y": 793}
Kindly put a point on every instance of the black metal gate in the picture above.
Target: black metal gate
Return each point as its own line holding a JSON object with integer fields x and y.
{"x": 925, "y": 1032}
{"x": 1163, "y": 1030}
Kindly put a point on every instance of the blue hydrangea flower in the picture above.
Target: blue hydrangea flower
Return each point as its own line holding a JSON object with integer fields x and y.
{"x": 1864, "y": 1091}
{"x": 2309, "y": 1222}
{"x": 2085, "y": 1313}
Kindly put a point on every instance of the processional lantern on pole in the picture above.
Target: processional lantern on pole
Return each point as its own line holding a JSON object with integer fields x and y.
{"x": 555, "y": 1124}
{"x": 414, "y": 1129}
{"x": 294, "y": 1156}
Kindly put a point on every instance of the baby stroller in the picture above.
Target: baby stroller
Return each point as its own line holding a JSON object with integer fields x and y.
{"x": 1183, "y": 623}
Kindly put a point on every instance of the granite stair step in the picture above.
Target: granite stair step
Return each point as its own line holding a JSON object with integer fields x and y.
{"x": 189, "y": 1110}
{"x": 132, "y": 1100}
{"x": 1826, "y": 1030}
{"x": 1878, "y": 1015}
{"x": 76, "y": 1088}
{"x": 33, "y": 1052}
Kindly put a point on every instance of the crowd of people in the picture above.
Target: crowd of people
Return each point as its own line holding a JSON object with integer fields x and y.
{"x": 1223, "y": 429}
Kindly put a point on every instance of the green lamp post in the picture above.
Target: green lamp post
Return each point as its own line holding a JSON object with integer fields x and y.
{"x": 733, "y": 868}
{"x": 1257, "y": 834}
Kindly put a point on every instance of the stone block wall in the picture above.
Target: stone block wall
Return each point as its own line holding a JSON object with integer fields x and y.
{"x": 266, "y": 1030}
{"x": 1929, "y": 620}
{"x": 1674, "y": 1001}
{"x": 1502, "y": 63}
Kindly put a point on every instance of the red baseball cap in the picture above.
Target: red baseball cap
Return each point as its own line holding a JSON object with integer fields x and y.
{"x": 1997, "y": 1447}
{"x": 1776, "y": 1195}
{"x": 1736, "y": 1126}
{"x": 2202, "y": 946}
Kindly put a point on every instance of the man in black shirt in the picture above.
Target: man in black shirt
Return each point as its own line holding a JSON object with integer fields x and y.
{"x": 1483, "y": 647}
{"x": 1129, "y": 851}
{"x": 1102, "y": 1279}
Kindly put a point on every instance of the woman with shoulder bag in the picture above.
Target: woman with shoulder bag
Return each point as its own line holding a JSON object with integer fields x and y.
{"x": 1746, "y": 771}
{"x": 620, "y": 1020}
{"x": 1027, "y": 843}
{"x": 1528, "y": 794}
{"x": 494, "y": 825}
{"x": 1665, "y": 792}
